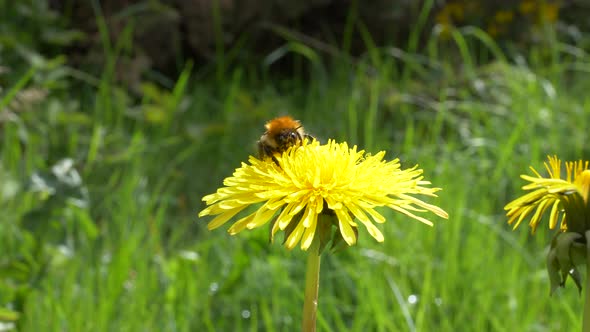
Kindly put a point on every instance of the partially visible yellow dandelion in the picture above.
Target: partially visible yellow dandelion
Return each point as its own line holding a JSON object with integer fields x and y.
{"x": 503, "y": 16}
{"x": 567, "y": 197}
{"x": 315, "y": 179}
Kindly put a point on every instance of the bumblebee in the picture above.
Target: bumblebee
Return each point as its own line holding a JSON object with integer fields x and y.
{"x": 281, "y": 134}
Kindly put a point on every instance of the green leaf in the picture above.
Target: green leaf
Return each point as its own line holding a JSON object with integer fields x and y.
{"x": 565, "y": 254}
{"x": 8, "y": 315}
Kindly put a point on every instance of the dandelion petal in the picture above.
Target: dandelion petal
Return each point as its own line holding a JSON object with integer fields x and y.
{"x": 223, "y": 218}
{"x": 345, "y": 228}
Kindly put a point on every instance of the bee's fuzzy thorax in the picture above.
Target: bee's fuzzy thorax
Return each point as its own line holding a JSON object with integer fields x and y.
{"x": 281, "y": 134}
{"x": 276, "y": 125}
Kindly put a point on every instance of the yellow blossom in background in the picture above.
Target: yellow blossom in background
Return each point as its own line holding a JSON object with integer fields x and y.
{"x": 451, "y": 14}
{"x": 567, "y": 197}
{"x": 494, "y": 30}
{"x": 548, "y": 12}
{"x": 315, "y": 179}
{"x": 527, "y": 6}
{"x": 503, "y": 16}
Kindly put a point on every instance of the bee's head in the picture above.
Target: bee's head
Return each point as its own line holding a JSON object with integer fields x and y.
{"x": 288, "y": 137}
{"x": 284, "y": 132}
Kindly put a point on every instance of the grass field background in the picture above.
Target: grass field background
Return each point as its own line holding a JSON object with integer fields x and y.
{"x": 101, "y": 190}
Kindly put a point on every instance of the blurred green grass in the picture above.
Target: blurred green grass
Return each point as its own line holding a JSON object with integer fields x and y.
{"x": 100, "y": 191}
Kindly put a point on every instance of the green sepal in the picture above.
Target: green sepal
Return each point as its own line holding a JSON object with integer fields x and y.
{"x": 324, "y": 229}
{"x": 567, "y": 251}
{"x": 574, "y": 207}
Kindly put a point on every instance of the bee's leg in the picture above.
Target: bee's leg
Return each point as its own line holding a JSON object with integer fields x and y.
{"x": 309, "y": 138}
{"x": 261, "y": 150}
{"x": 275, "y": 160}
{"x": 264, "y": 151}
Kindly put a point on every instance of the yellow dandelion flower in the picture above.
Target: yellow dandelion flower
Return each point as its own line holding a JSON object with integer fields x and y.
{"x": 504, "y": 16}
{"x": 568, "y": 198}
{"x": 527, "y": 6}
{"x": 456, "y": 11}
{"x": 493, "y": 30}
{"x": 314, "y": 179}
{"x": 548, "y": 12}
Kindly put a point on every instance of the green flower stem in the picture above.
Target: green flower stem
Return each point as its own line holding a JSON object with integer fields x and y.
{"x": 586, "y": 319}
{"x": 312, "y": 284}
